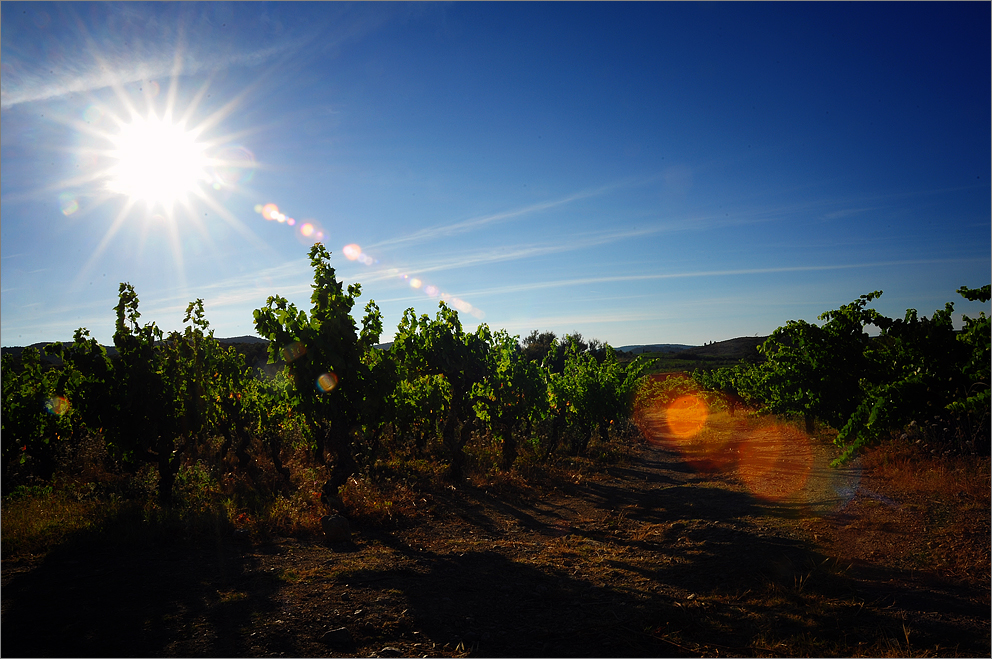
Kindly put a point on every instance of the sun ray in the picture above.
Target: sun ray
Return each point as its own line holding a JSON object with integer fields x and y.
{"x": 177, "y": 256}
{"x": 159, "y": 199}
{"x": 114, "y": 228}
{"x": 237, "y": 224}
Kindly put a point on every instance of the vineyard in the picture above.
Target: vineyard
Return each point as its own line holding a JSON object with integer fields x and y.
{"x": 175, "y": 432}
{"x": 440, "y": 399}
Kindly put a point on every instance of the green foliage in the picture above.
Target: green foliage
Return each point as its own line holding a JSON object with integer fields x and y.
{"x": 441, "y": 347}
{"x": 37, "y": 412}
{"x": 915, "y": 370}
{"x": 165, "y": 406}
{"x": 819, "y": 371}
{"x": 514, "y": 392}
{"x": 163, "y": 394}
{"x": 341, "y": 385}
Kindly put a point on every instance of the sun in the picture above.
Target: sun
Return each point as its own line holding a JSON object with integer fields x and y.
{"x": 157, "y": 162}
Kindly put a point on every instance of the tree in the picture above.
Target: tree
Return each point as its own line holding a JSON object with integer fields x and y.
{"x": 514, "y": 388}
{"x": 441, "y": 347}
{"x": 340, "y": 382}
{"x": 820, "y": 371}
{"x": 37, "y": 414}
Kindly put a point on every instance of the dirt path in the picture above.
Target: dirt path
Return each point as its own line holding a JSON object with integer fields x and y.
{"x": 682, "y": 551}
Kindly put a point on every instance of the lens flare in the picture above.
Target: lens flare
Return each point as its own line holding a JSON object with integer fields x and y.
{"x": 774, "y": 461}
{"x": 327, "y": 382}
{"x": 293, "y": 351}
{"x": 307, "y": 232}
{"x": 415, "y": 283}
{"x": 93, "y": 114}
{"x": 686, "y": 416}
{"x": 68, "y": 203}
{"x": 57, "y": 405}
{"x": 234, "y": 166}
{"x": 352, "y": 251}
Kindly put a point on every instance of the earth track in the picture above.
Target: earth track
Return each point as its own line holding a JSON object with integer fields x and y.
{"x": 737, "y": 541}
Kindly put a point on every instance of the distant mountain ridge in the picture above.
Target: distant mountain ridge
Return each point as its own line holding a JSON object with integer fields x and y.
{"x": 655, "y": 347}
{"x": 739, "y": 348}
{"x": 745, "y": 346}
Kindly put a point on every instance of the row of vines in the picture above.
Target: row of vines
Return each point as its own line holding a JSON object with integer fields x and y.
{"x": 917, "y": 373}
{"x": 162, "y": 398}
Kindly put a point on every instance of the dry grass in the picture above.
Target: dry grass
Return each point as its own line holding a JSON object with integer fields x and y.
{"x": 909, "y": 468}
{"x": 377, "y": 503}
{"x": 33, "y": 524}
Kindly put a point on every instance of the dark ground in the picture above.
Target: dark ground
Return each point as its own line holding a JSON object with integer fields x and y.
{"x": 650, "y": 558}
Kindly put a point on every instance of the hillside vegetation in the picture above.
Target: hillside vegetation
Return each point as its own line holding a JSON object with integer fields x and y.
{"x": 549, "y": 471}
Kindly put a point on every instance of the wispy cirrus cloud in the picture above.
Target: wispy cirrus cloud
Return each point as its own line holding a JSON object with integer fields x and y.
{"x": 844, "y": 212}
{"x": 462, "y": 226}
{"x": 184, "y": 38}
{"x": 584, "y": 281}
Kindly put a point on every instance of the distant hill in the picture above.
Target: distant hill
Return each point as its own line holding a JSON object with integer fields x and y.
{"x": 242, "y": 339}
{"x": 112, "y": 351}
{"x": 657, "y": 347}
{"x": 253, "y": 349}
{"x": 739, "y": 348}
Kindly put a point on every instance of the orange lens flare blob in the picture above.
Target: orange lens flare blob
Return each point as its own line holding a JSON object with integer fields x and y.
{"x": 327, "y": 382}
{"x": 57, "y": 405}
{"x": 293, "y": 351}
{"x": 774, "y": 461}
{"x": 686, "y": 416}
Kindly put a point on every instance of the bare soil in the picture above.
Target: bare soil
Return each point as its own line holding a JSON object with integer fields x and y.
{"x": 743, "y": 544}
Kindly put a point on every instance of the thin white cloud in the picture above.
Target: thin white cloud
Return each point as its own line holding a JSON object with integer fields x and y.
{"x": 116, "y": 70}
{"x": 463, "y": 226}
{"x": 188, "y": 43}
{"x": 844, "y": 212}
{"x": 510, "y": 253}
{"x": 582, "y": 281}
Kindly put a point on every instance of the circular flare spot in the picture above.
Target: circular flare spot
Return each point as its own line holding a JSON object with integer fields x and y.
{"x": 352, "y": 251}
{"x": 293, "y": 351}
{"x": 93, "y": 114}
{"x": 327, "y": 382}
{"x": 234, "y": 165}
{"x": 68, "y": 203}
{"x": 57, "y": 405}
{"x": 270, "y": 211}
{"x": 686, "y": 416}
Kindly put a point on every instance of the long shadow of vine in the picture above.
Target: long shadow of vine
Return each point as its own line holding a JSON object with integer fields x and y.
{"x": 722, "y": 575}
{"x": 151, "y": 593}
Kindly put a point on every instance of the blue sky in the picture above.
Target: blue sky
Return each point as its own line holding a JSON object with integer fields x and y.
{"x": 640, "y": 173}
